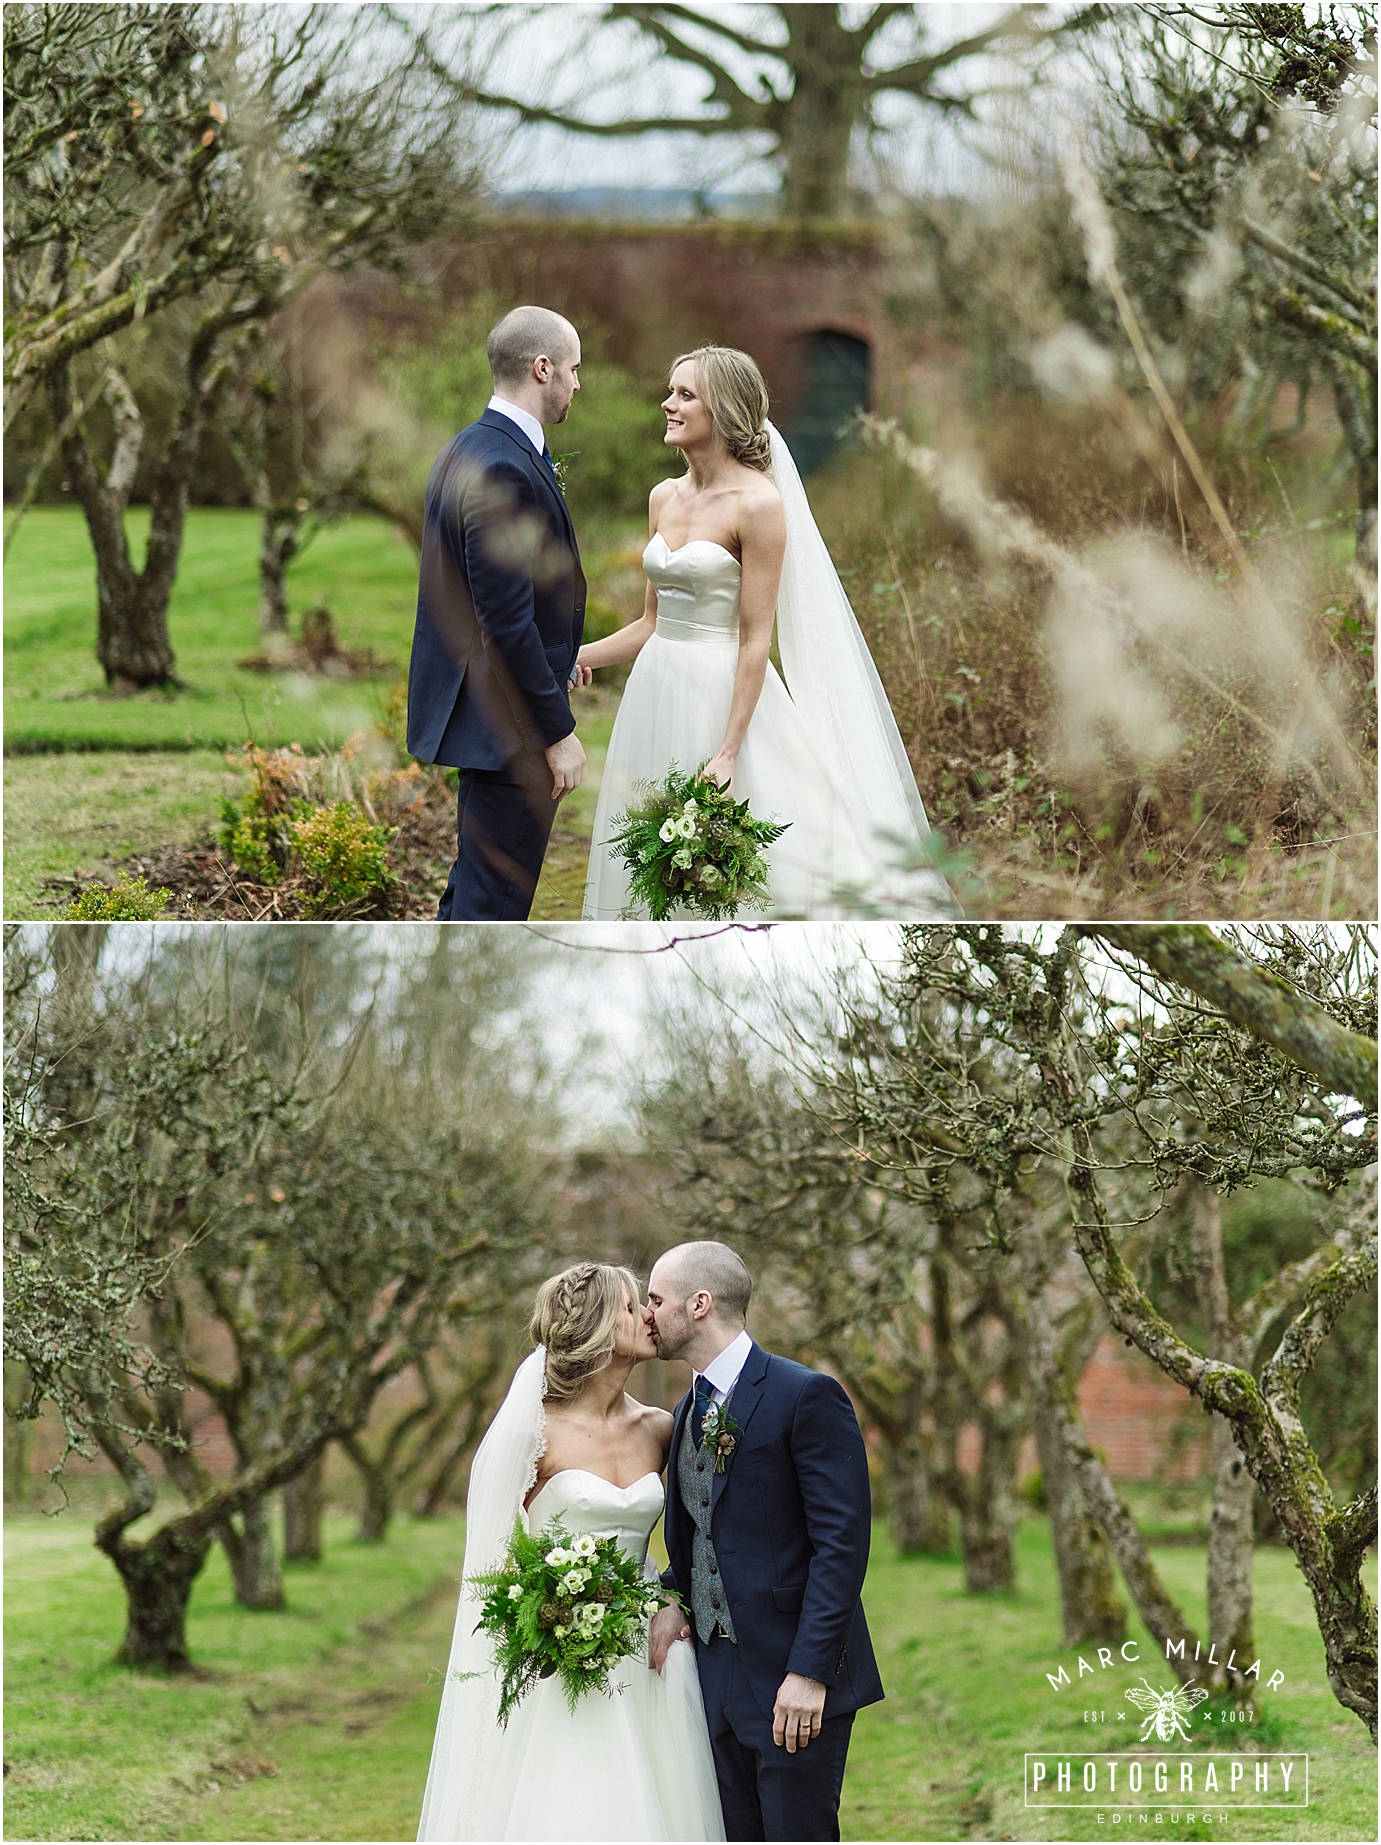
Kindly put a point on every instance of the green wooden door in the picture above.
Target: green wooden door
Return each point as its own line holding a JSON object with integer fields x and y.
{"x": 837, "y": 373}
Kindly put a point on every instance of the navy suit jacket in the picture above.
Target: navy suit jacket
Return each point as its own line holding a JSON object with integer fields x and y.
{"x": 791, "y": 1517}
{"x": 500, "y": 604}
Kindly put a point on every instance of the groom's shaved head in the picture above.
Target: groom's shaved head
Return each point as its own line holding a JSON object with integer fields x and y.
{"x": 526, "y": 334}
{"x": 714, "y": 1268}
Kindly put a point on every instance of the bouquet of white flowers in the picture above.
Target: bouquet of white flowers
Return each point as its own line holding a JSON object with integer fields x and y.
{"x": 564, "y": 1606}
{"x": 688, "y": 841}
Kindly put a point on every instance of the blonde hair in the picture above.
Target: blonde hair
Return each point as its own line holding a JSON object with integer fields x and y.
{"x": 574, "y": 1316}
{"x": 735, "y": 395}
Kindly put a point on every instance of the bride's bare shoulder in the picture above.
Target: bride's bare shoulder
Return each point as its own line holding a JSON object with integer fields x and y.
{"x": 657, "y": 1422}
{"x": 760, "y": 507}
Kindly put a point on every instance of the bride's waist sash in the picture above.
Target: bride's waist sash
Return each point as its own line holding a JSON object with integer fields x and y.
{"x": 672, "y": 625}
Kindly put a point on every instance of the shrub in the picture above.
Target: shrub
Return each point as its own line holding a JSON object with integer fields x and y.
{"x": 256, "y": 832}
{"x": 313, "y": 818}
{"x": 438, "y": 380}
{"x": 1032, "y": 1491}
{"x": 344, "y": 854}
{"x": 131, "y": 900}
{"x": 250, "y": 841}
{"x": 614, "y": 443}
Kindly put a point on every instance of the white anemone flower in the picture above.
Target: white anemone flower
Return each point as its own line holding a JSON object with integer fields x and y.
{"x": 584, "y": 1545}
{"x": 685, "y": 826}
{"x": 667, "y": 831}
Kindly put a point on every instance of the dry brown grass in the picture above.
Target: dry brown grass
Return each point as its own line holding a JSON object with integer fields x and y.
{"x": 1106, "y": 719}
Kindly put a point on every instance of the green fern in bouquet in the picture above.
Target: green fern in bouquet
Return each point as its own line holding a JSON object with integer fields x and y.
{"x": 563, "y": 1606}
{"x": 686, "y": 841}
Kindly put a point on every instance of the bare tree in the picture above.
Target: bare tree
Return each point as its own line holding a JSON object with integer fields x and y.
{"x": 1089, "y": 1062}
{"x": 317, "y": 1195}
{"x": 425, "y": 1445}
{"x": 802, "y": 81}
{"x": 1240, "y": 153}
{"x": 883, "y": 1292}
{"x": 208, "y": 159}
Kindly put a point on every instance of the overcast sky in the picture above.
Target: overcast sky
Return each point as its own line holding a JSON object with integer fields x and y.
{"x": 599, "y": 989}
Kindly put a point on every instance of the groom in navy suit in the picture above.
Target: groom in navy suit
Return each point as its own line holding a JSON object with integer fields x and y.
{"x": 500, "y": 613}
{"x": 767, "y": 1527}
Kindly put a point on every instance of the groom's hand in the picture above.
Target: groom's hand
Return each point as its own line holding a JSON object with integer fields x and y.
{"x": 799, "y": 1712}
{"x": 667, "y": 1626}
{"x": 566, "y": 760}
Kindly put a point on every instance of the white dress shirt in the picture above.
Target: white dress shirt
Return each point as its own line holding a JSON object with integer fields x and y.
{"x": 525, "y": 420}
{"x": 723, "y": 1371}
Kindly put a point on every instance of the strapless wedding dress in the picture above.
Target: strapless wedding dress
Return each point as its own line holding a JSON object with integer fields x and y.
{"x": 674, "y": 710}
{"x": 636, "y": 1765}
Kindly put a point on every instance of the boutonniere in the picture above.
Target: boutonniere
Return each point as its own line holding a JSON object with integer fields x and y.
{"x": 719, "y": 1434}
{"x": 559, "y": 465}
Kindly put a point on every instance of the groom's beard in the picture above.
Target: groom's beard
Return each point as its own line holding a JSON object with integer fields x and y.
{"x": 669, "y": 1346}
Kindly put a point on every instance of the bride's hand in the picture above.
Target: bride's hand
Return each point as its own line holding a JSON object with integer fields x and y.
{"x": 581, "y": 674}
{"x": 720, "y": 769}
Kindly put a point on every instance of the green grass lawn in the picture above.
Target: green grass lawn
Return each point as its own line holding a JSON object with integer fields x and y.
{"x": 55, "y": 695}
{"x": 91, "y": 780}
{"x": 316, "y": 1723}
{"x": 81, "y": 813}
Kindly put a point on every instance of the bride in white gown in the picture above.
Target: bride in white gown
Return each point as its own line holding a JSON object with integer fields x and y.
{"x": 569, "y": 1443}
{"x": 734, "y": 545}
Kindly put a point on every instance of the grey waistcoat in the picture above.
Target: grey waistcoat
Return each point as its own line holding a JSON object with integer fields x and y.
{"x": 709, "y": 1603}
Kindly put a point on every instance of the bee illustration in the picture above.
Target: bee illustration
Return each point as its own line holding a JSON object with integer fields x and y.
{"x": 1168, "y": 1710}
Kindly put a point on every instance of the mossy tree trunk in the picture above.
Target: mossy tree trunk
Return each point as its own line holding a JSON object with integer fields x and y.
{"x": 158, "y": 1574}
{"x": 158, "y": 1577}
{"x": 916, "y": 1510}
{"x": 132, "y": 641}
{"x": 384, "y": 1473}
{"x": 1329, "y": 1543}
{"x": 1090, "y": 1608}
{"x": 892, "y": 1379}
{"x": 1230, "y": 1524}
{"x": 979, "y": 1382}
{"x": 303, "y": 1501}
{"x": 253, "y": 1556}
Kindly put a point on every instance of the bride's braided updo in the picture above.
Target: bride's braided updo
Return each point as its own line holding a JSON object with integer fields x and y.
{"x": 735, "y": 395}
{"x": 574, "y": 1317}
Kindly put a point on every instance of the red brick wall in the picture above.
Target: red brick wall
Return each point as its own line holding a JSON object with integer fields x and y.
{"x": 639, "y": 294}
{"x": 1144, "y": 1426}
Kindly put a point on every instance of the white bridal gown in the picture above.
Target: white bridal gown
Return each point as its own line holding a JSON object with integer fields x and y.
{"x": 822, "y": 751}
{"x": 674, "y": 710}
{"x": 636, "y": 1765}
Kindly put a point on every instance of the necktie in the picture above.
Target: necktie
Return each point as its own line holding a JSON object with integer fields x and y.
{"x": 704, "y": 1391}
{"x": 547, "y": 457}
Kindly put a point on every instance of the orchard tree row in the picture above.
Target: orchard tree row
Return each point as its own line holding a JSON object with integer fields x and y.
{"x": 961, "y": 1168}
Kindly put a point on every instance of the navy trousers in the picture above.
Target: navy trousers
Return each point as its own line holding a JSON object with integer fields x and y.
{"x": 504, "y": 819}
{"x": 766, "y": 1793}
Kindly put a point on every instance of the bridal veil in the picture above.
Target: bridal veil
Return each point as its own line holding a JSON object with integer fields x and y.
{"x": 463, "y": 1756}
{"x": 834, "y": 684}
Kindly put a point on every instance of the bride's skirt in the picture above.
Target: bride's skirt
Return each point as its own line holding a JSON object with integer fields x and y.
{"x": 674, "y": 710}
{"x": 633, "y": 1766}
